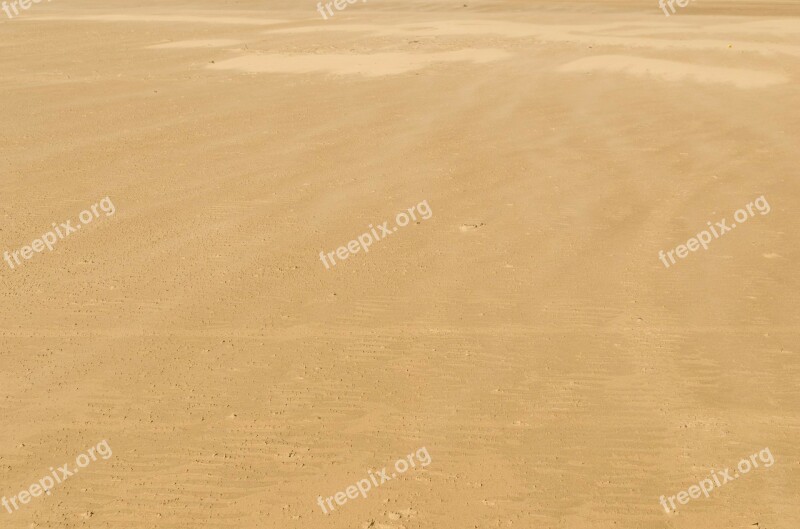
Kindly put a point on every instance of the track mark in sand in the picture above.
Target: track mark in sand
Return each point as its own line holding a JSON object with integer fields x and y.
{"x": 674, "y": 71}
{"x": 470, "y": 227}
{"x": 184, "y": 44}
{"x": 368, "y": 65}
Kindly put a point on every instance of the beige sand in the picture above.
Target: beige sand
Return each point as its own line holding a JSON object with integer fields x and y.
{"x": 526, "y": 334}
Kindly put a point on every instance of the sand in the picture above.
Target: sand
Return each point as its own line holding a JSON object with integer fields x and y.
{"x": 526, "y": 334}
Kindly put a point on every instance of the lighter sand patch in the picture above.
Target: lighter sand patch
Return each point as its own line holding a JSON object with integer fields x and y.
{"x": 764, "y": 28}
{"x": 190, "y": 19}
{"x": 372, "y": 65}
{"x": 433, "y": 28}
{"x": 208, "y": 43}
{"x": 674, "y": 71}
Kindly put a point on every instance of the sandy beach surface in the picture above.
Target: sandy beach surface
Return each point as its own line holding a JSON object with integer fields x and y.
{"x": 541, "y": 325}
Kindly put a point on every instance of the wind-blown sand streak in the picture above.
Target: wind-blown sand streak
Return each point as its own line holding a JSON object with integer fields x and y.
{"x": 369, "y": 65}
{"x": 675, "y": 71}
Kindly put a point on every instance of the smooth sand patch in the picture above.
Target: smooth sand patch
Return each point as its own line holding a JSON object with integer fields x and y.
{"x": 369, "y": 65}
{"x": 674, "y": 71}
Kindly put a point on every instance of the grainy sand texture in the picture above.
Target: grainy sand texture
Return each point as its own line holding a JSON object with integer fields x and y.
{"x": 538, "y": 260}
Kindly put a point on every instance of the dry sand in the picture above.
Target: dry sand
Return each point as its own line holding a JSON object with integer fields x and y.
{"x": 526, "y": 334}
